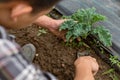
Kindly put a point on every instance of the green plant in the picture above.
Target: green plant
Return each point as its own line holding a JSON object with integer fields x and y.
{"x": 41, "y": 31}
{"x": 114, "y": 77}
{"x": 112, "y": 74}
{"x": 114, "y": 60}
{"x": 82, "y": 24}
{"x": 108, "y": 71}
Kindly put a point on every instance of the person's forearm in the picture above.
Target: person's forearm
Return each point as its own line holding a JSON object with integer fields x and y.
{"x": 48, "y": 23}
{"x": 83, "y": 73}
{"x": 45, "y": 22}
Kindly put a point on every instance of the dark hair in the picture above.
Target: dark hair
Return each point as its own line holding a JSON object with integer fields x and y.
{"x": 38, "y": 5}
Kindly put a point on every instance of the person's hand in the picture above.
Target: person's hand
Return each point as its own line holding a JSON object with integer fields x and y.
{"x": 87, "y": 62}
{"x": 55, "y": 29}
{"x": 52, "y": 25}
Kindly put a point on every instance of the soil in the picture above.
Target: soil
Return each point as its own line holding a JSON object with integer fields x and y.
{"x": 52, "y": 54}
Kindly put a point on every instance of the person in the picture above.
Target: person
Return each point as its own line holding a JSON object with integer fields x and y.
{"x": 14, "y": 62}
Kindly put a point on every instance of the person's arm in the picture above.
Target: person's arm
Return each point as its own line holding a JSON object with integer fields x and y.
{"x": 48, "y": 23}
{"x": 86, "y": 68}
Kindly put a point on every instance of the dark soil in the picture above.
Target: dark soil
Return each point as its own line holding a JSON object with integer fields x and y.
{"x": 53, "y": 56}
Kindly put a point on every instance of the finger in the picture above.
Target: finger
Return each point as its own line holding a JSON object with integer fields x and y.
{"x": 94, "y": 73}
{"x": 94, "y": 59}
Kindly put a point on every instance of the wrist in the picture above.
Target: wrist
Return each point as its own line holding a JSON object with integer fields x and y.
{"x": 83, "y": 65}
{"x": 83, "y": 72}
{"x": 46, "y": 22}
{"x": 83, "y": 68}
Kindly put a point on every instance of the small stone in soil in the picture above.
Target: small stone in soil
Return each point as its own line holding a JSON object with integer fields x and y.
{"x": 37, "y": 55}
{"x": 63, "y": 65}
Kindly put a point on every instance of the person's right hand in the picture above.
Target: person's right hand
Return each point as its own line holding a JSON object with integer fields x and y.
{"x": 87, "y": 62}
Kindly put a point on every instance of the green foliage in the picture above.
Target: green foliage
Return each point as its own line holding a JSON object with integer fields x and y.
{"x": 81, "y": 24}
{"x": 103, "y": 35}
{"x": 88, "y": 16}
{"x": 41, "y": 31}
{"x": 75, "y": 29}
{"x": 108, "y": 71}
{"x": 112, "y": 74}
{"x": 69, "y": 25}
{"x": 114, "y": 60}
{"x": 114, "y": 77}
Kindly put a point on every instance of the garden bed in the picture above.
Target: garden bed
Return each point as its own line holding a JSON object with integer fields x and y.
{"x": 52, "y": 54}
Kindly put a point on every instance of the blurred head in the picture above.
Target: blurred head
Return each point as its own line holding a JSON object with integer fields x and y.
{"x": 20, "y": 13}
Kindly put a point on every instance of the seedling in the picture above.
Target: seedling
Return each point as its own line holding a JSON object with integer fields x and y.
{"x": 82, "y": 24}
{"x": 111, "y": 73}
{"x": 114, "y": 77}
{"x": 114, "y": 60}
{"x": 41, "y": 31}
{"x": 108, "y": 72}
